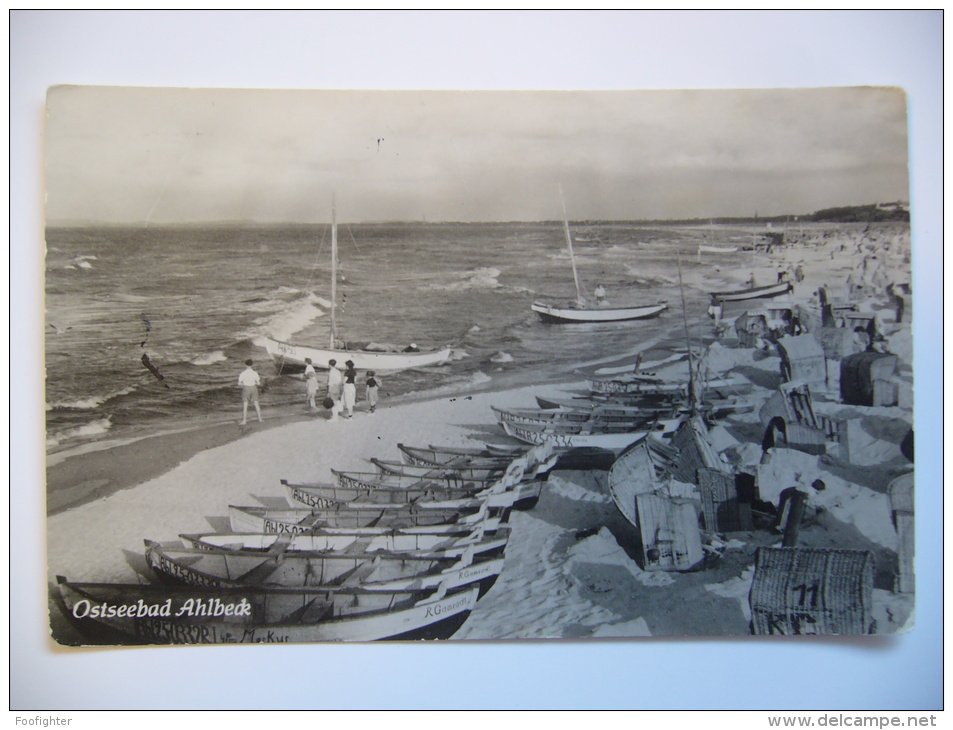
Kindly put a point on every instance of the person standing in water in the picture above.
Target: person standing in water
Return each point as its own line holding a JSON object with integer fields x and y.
{"x": 249, "y": 380}
{"x": 349, "y": 390}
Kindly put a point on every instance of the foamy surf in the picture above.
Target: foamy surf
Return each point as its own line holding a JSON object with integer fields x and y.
{"x": 85, "y": 404}
{"x": 296, "y": 316}
{"x": 483, "y": 278}
{"x": 210, "y": 358}
{"x": 95, "y": 428}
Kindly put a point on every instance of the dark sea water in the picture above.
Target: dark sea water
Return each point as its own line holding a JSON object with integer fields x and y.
{"x": 194, "y": 301}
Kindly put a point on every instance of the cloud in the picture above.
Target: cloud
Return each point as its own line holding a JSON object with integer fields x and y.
{"x": 166, "y": 155}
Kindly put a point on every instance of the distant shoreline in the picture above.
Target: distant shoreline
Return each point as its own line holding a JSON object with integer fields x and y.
{"x": 851, "y": 215}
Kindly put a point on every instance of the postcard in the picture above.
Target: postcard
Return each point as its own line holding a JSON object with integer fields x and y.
{"x": 357, "y": 366}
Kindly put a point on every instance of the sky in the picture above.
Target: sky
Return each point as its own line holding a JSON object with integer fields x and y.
{"x": 182, "y": 155}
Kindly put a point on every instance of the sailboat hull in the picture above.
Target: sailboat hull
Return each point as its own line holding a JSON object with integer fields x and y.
{"x": 702, "y": 248}
{"x": 294, "y": 355}
{"x": 558, "y": 315}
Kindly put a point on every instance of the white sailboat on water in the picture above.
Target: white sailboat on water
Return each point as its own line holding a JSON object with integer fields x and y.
{"x": 580, "y": 311}
{"x": 293, "y": 356}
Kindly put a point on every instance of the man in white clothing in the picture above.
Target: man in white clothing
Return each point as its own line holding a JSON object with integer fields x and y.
{"x": 249, "y": 380}
{"x": 335, "y": 381}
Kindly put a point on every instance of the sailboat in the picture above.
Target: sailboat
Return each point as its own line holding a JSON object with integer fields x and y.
{"x": 580, "y": 311}
{"x": 294, "y": 355}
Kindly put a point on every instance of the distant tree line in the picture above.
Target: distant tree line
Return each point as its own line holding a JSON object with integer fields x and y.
{"x": 862, "y": 214}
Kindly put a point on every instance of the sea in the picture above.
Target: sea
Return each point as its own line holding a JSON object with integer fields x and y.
{"x": 147, "y": 328}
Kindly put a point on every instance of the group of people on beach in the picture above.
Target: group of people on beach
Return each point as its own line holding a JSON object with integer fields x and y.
{"x": 342, "y": 388}
{"x": 341, "y": 394}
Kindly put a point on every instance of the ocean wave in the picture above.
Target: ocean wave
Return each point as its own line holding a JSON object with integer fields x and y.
{"x": 638, "y": 275}
{"x": 479, "y": 378}
{"x": 89, "y": 430}
{"x": 292, "y": 318}
{"x": 86, "y": 404}
{"x": 210, "y": 358}
{"x": 482, "y": 278}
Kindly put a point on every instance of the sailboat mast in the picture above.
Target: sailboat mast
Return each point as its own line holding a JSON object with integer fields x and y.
{"x": 572, "y": 258}
{"x": 692, "y": 394}
{"x": 334, "y": 274}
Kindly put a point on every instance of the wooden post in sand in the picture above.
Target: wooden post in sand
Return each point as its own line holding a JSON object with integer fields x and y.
{"x": 794, "y": 510}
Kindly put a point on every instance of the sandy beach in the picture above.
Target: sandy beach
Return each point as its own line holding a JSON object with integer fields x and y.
{"x": 572, "y": 566}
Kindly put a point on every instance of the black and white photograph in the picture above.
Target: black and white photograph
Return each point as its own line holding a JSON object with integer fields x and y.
{"x": 360, "y": 366}
{"x": 455, "y": 360}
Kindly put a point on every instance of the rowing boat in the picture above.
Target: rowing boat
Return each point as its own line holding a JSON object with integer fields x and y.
{"x": 451, "y": 473}
{"x": 758, "y": 292}
{"x": 580, "y": 314}
{"x": 397, "y": 499}
{"x": 384, "y": 571}
{"x": 572, "y": 438}
{"x": 368, "y": 540}
{"x": 300, "y": 519}
{"x": 424, "y": 496}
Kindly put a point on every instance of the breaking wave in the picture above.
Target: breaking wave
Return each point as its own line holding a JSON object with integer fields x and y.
{"x": 292, "y": 318}
{"x": 483, "y": 278}
{"x": 89, "y": 430}
{"x": 87, "y": 404}
{"x": 210, "y": 358}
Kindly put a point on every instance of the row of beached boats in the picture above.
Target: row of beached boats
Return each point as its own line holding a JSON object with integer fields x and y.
{"x": 615, "y": 412}
{"x": 398, "y": 553}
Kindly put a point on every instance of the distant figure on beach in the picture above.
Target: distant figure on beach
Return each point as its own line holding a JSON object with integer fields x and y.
{"x": 898, "y": 303}
{"x": 373, "y": 384}
{"x": 880, "y": 344}
{"x": 249, "y": 380}
{"x": 861, "y": 339}
{"x": 796, "y": 327}
{"x": 349, "y": 391}
{"x": 715, "y": 310}
{"x": 600, "y": 295}
{"x": 335, "y": 381}
{"x": 311, "y": 383}
{"x": 752, "y": 282}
